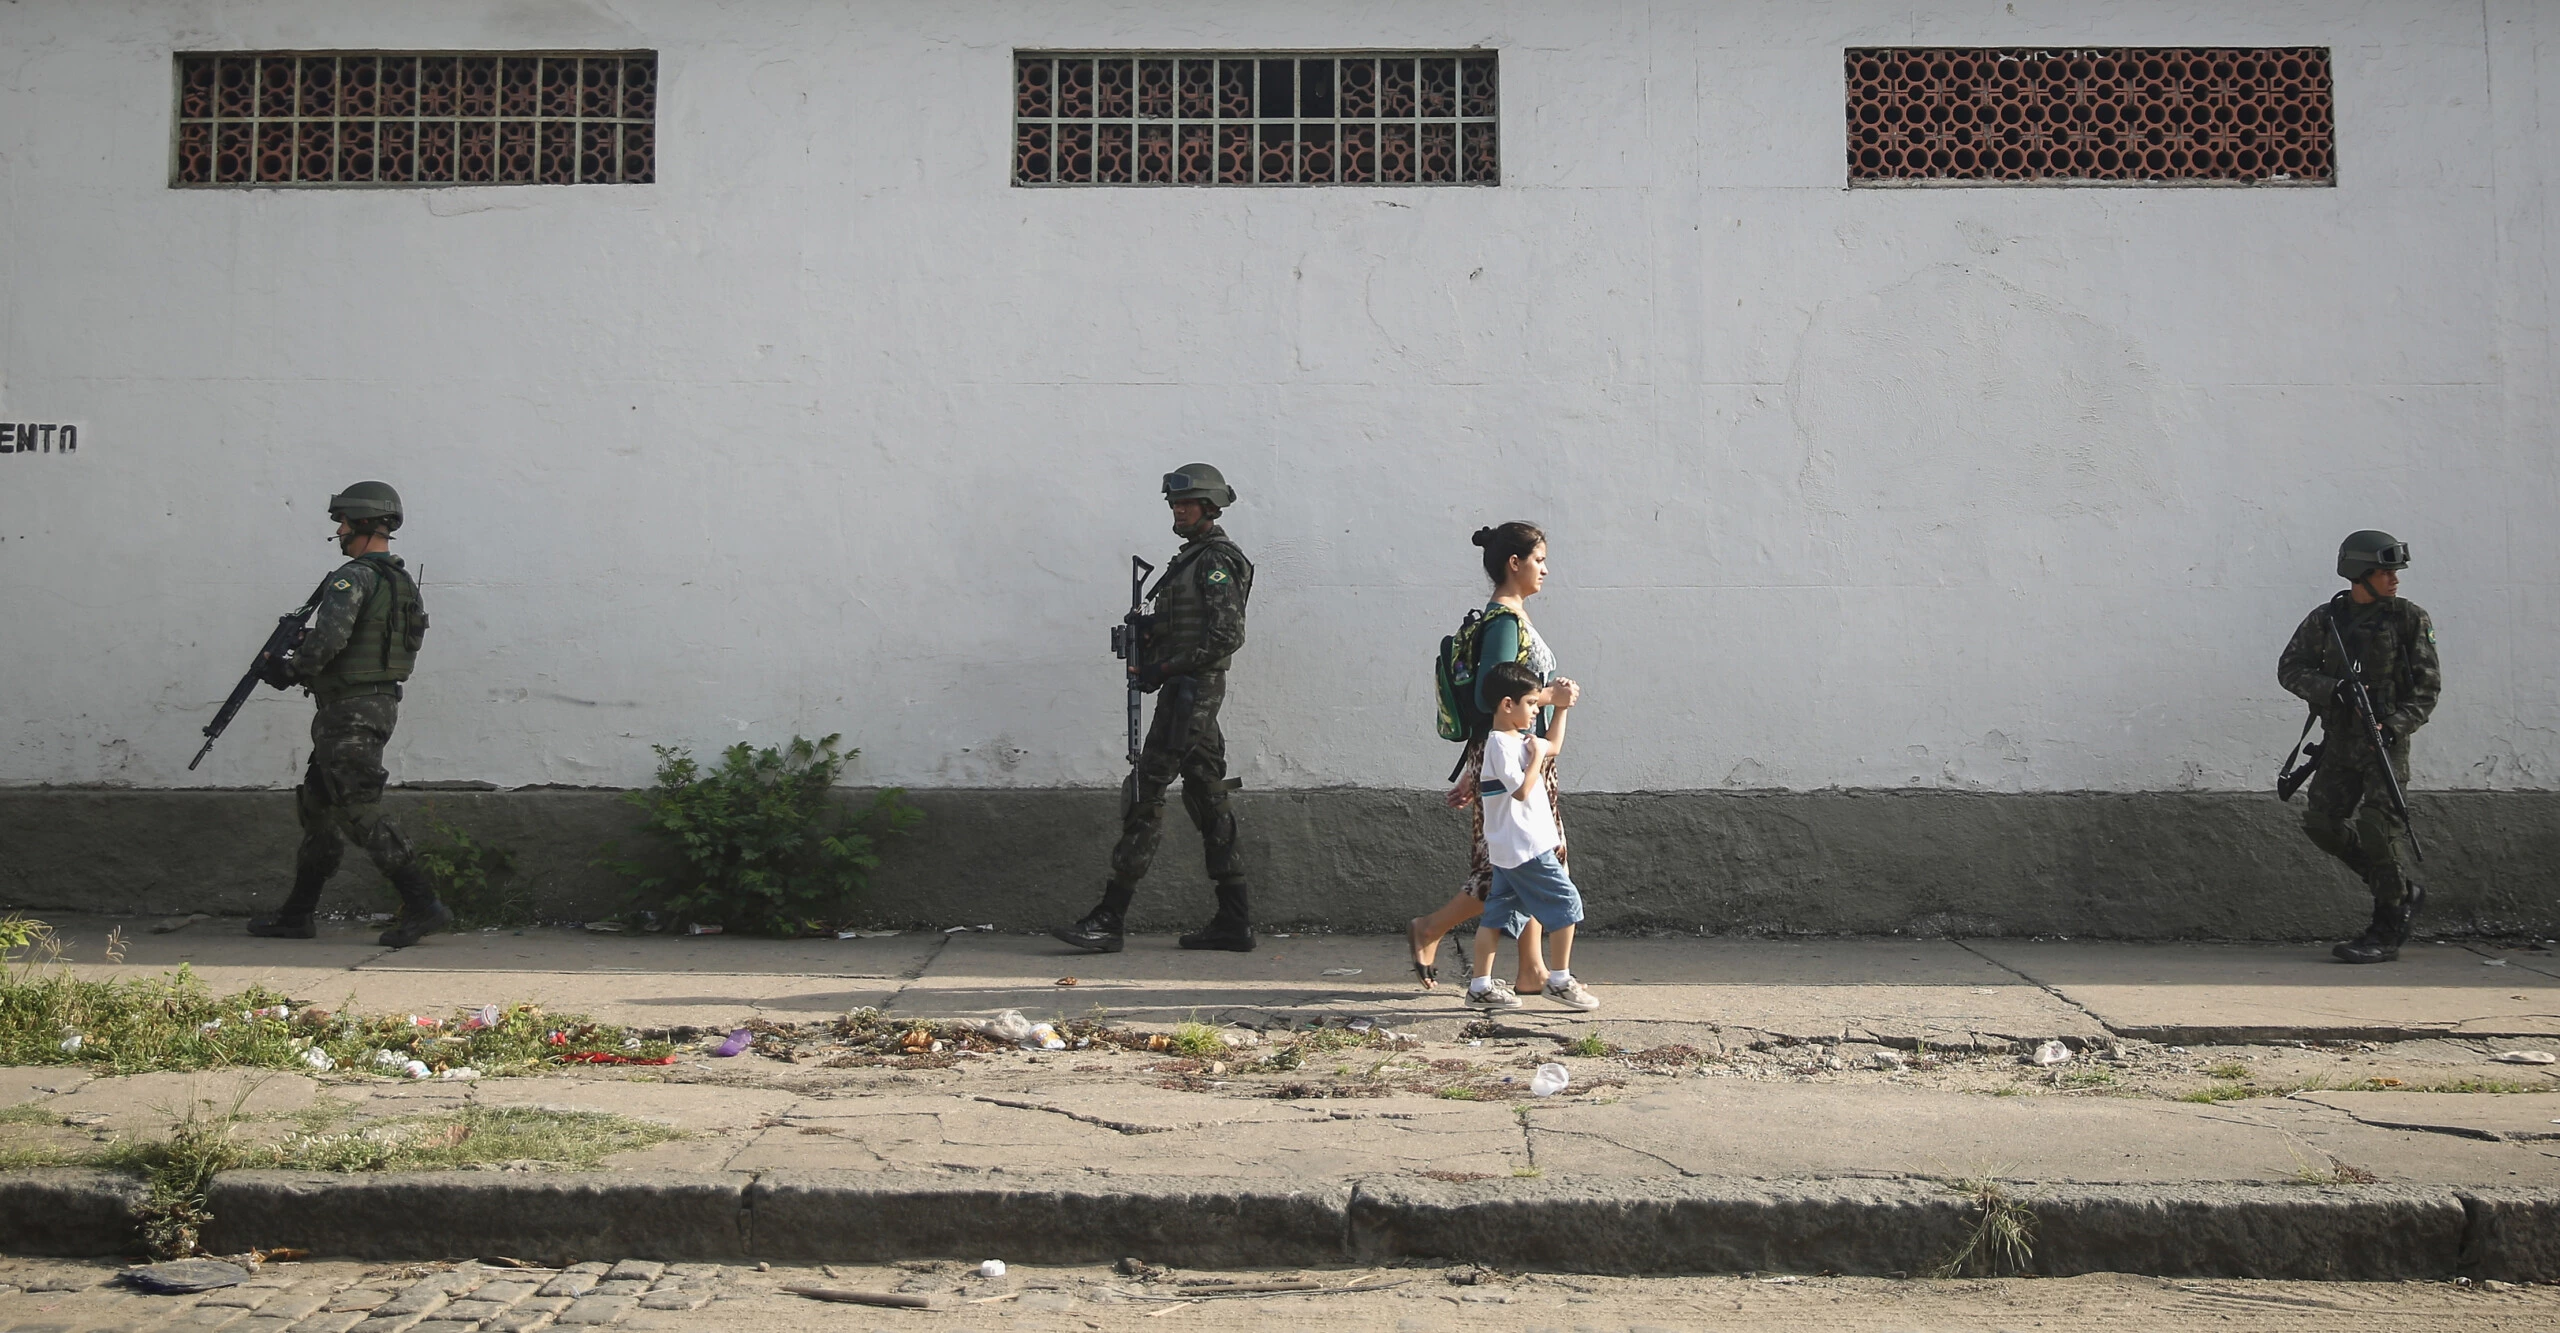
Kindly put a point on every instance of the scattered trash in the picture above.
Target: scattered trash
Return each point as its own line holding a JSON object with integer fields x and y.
{"x": 1342, "y": 971}
{"x": 738, "y": 1041}
{"x": 1549, "y": 1080}
{"x": 631, "y": 1043}
{"x": 464, "y": 1074}
{"x": 2050, "y": 1054}
{"x": 71, "y": 1044}
{"x": 963, "y": 930}
{"x": 1065, "y": 981}
{"x": 390, "y": 1059}
{"x": 2493, "y": 962}
{"x": 319, "y": 1060}
{"x": 279, "y": 1012}
{"x": 1360, "y": 1025}
{"x": 991, "y": 1268}
{"x": 1886, "y": 1060}
{"x": 1046, "y": 1038}
{"x": 869, "y": 934}
{"x": 416, "y": 1021}
{"x": 612, "y": 1058}
{"x": 703, "y": 928}
{"x": 1235, "y": 1038}
{"x": 176, "y": 923}
{"x": 185, "y": 1277}
{"x": 416, "y": 1069}
{"x": 214, "y": 1025}
{"x": 486, "y": 1016}
{"x": 1477, "y": 1042}
{"x": 606, "y": 927}
{"x": 2177, "y": 1050}
{"x": 2525, "y": 1058}
{"x": 1786, "y": 1281}
{"x": 1009, "y": 1026}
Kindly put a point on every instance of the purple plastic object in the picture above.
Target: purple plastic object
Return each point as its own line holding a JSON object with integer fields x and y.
{"x": 738, "y": 1041}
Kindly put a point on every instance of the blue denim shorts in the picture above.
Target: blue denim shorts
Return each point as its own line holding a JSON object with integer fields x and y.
{"x": 1537, "y": 888}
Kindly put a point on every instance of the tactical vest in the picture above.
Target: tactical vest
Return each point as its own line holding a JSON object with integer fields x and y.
{"x": 2378, "y": 636}
{"x": 1182, "y": 605}
{"x": 383, "y": 647}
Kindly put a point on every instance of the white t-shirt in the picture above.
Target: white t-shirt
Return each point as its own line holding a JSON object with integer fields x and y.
{"x": 1515, "y": 831}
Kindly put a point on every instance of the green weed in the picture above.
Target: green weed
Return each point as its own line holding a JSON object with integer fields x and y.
{"x": 2230, "y": 1070}
{"x": 1197, "y": 1040}
{"x": 762, "y": 845}
{"x": 1462, "y": 1094}
{"x": 2223, "y": 1092}
{"x": 470, "y": 1137}
{"x": 474, "y": 878}
{"x": 1589, "y": 1045}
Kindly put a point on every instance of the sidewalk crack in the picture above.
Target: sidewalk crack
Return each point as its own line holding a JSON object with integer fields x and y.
{"x": 915, "y": 974}
{"x": 1117, "y": 1126}
{"x": 2091, "y": 1014}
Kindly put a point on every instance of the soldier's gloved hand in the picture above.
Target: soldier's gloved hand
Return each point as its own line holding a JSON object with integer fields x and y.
{"x": 2390, "y": 736}
{"x": 1149, "y": 679}
{"x": 276, "y": 671}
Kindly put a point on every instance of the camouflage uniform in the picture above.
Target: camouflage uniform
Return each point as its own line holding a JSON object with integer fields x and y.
{"x": 1197, "y": 627}
{"x": 358, "y": 649}
{"x": 2345, "y": 812}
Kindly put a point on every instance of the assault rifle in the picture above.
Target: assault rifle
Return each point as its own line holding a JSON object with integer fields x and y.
{"x": 2352, "y": 684}
{"x": 268, "y": 666}
{"x": 1128, "y": 640}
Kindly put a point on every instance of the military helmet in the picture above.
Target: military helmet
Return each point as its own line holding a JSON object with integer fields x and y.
{"x": 1198, "y": 481}
{"x": 2364, "y": 552}
{"x": 367, "y": 499}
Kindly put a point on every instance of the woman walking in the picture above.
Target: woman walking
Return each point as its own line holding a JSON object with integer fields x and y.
{"x": 1515, "y": 559}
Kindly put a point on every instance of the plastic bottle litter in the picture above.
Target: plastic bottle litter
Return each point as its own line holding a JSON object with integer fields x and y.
{"x": 486, "y": 1016}
{"x": 416, "y": 1069}
{"x": 991, "y": 1268}
{"x": 389, "y": 1059}
{"x": 71, "y": 1044}
{"x": 738, "y": 1041}
{"x": 2050, "y": 1054}
{"x": 319, "y": 1060}
{"x": 1549, "y": 1080}
{"x": 2525, "y": 1058}
{"x": 1046, "y": 1038}
{"x": 1010, "y": 1026}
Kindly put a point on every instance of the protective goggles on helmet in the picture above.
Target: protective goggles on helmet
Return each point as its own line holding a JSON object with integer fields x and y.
{"x": 2397, "y": 553}
{"x": 1178, "y": 481}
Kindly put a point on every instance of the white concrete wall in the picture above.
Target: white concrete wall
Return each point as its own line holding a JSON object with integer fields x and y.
{"x": 835, "y": 429}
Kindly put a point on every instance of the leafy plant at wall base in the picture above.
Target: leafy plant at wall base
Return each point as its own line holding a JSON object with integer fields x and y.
{"x": 475, "y": 879}
{"x": 763, "y": 846}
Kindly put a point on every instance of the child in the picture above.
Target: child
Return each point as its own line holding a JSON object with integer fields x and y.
{"x": 1520, "y": 836}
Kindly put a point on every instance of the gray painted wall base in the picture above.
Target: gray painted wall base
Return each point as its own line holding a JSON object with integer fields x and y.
{"x": 2155, "y": 865}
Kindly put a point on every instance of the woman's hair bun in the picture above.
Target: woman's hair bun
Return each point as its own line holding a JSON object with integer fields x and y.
{"x": 1484, "y": 536}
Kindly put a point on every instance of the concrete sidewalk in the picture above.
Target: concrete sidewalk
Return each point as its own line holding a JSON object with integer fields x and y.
{"x": 1744, "y": 1104}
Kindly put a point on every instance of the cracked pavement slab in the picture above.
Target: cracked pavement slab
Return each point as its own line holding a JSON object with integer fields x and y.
{"x": 2198, "y": 993}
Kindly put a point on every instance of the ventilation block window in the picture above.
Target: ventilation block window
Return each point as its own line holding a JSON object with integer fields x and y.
{"x": 348, "y": 118}
{"x": 1232, "y": 118}
{"x": 2127, "y": 114}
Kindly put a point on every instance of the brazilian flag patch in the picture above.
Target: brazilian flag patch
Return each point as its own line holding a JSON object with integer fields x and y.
{"x": 343, "y": 585}
{"x": 1217, "y": 576}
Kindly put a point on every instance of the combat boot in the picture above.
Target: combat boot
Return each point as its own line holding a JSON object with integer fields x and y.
{"x": 2405, "y": 918}
{"x": 421, "y": 914}
{"x": 2376, "y": 944}
{"x": 293, "y": 921}
{"x": 1231, "y": 929}
{"x": 1098, "y": 932}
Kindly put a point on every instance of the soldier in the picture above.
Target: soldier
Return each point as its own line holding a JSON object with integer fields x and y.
{"x": 2346, "y": 812}
{"x": 1197, "y": 626}
{"x": 361, "y": 645}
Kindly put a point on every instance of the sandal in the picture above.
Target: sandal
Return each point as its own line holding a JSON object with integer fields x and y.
{"x": 1424, "y": 954}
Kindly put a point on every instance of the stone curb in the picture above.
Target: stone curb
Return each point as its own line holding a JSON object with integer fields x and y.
{"x": 1877, "y": 1227}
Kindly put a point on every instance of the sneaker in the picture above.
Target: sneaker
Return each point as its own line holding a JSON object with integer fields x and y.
{"x": 1572, "y": 995}
{"x": 1499, "y": 995}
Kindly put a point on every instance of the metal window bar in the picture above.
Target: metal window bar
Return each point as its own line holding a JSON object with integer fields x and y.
{"x": 1259, "y": 118}
{"x": 413, "y": 118}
